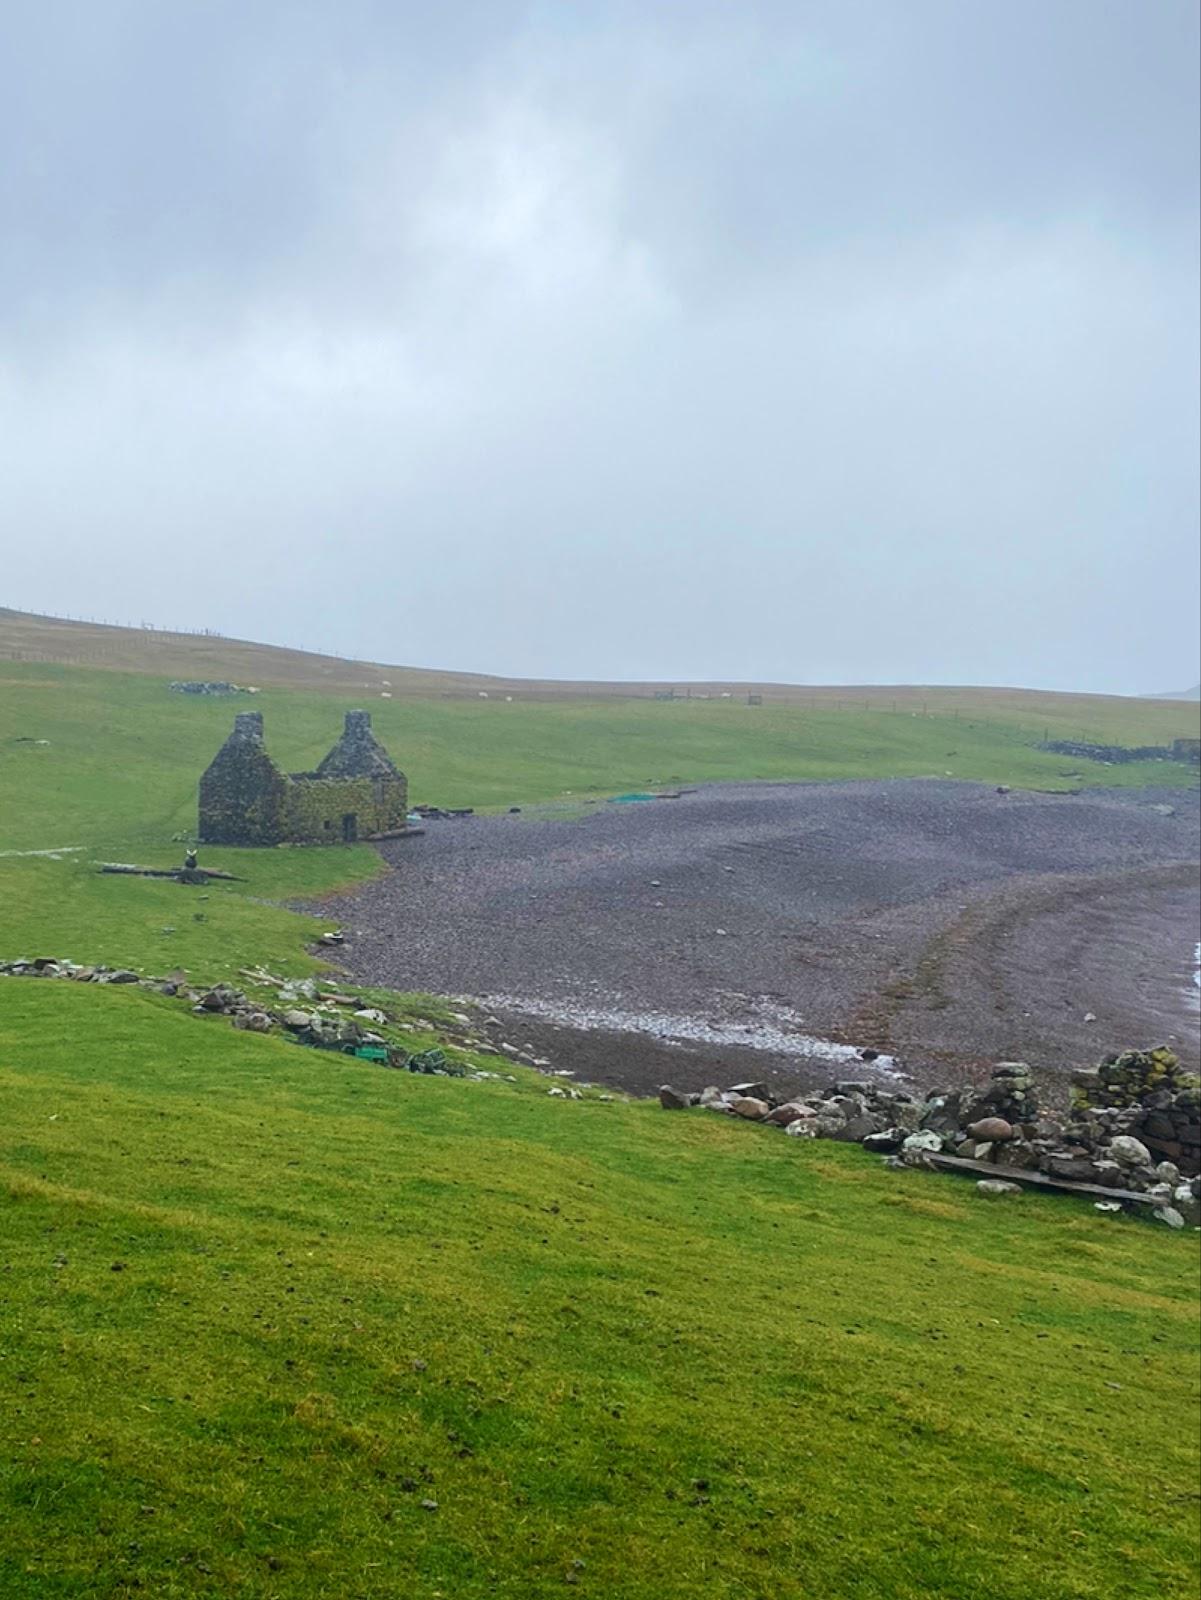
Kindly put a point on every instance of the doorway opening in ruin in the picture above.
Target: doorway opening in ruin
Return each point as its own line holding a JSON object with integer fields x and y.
{"x": 350, "y": 827}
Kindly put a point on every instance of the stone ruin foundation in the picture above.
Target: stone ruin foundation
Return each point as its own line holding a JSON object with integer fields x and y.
{"x": 356, "y": 792}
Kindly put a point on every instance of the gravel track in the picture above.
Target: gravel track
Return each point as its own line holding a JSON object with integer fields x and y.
{"x": 734, "y": 930}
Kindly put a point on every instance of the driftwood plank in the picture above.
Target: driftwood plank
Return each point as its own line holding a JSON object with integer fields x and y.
{"x": 1037, "y": 1180}
{"x": 181, "y": 874}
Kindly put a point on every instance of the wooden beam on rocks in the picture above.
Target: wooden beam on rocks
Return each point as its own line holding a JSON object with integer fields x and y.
{"x": 180, "y": 874}
{"x": 1037, "y": 1180}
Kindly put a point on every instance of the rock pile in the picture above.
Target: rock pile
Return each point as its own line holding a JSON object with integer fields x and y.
{"x": 47, "y": 967}
{"x": 1116, "y": 754}
{"x": 303, "y": 1012}
{"x": 1143, "y": 1139}
{"x": 1144, "y": 1094}
{"x": 193, "y": 687}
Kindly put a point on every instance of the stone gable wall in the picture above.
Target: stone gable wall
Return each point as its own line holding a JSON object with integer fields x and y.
{"x": 243, "y": 792}
{"x": 358, "y": 753}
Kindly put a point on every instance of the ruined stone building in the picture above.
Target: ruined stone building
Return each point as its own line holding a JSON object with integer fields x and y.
{"x": 356, "y": 792}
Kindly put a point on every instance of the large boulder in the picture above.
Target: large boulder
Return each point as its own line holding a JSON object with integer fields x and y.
{"x": 253, "y": 1021}
{"x": 851, "y": 1105}
{"x": 1015, "y": 1153}
{"x": 829, "y": 1124}
{"x": 1048, "y": 1128}
{"x": 673, "y": 1099}
{"x": 749, "y": 1106}
{"x": 859, "y": 1127}
{"x": 221, "y": 998}
{"x": 1108, "y": 1174}
{"x": 789, "y": 1112}
{"x": 923, "y": 1143}
{"x": 904, "y": 1112}
{"x": 884, "y": 1143}
{"x": 1129, "y": 1152}
{"x": 802, "y": 1128}
{"x": 749, "y": 1091}
{"x": 992, "y": 1130}
{"x": 1071, "y": 1168}
{"x": 1158, "y": 1128}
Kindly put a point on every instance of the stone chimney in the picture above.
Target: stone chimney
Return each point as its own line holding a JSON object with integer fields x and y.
{"x": 248, "y": 725}
{"x": 357, "y": 754}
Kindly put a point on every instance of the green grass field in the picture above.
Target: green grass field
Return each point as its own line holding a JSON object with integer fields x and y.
{"x": 118, "y": 777}
{"x": 257, "y": 1305}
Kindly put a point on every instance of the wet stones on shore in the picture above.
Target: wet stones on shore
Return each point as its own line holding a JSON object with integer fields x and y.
{"x": 1002, "y": 1124}
{"x": 320, "y": 1017}
{"x": 1134, "y": 1122}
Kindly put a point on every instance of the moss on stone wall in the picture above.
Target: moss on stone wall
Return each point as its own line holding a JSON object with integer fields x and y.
{"x": 316, "y": 808}
{"x": 242, "y": 796}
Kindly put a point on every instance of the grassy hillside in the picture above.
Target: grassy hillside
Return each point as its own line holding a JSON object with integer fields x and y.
{"x": 260, "y": 1307}
{"x": 98, "y": 647}
{"x": 124, "y": 754}
{"x": 117, "y": 779}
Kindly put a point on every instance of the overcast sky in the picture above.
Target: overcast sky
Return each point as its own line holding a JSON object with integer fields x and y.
{"x": 842, "y": 342}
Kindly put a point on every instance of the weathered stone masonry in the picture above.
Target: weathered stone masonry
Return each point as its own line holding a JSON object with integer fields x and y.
{"x": 354, "y": 793}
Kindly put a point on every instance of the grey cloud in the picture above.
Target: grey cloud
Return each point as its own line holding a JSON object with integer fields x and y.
{"x": 843, "y": 342}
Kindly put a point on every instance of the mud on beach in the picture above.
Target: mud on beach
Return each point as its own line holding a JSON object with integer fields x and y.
{"x": 773, "y": 930}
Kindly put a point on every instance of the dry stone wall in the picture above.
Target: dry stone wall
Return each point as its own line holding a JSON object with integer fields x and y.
{"x": 1143, "y": 1094}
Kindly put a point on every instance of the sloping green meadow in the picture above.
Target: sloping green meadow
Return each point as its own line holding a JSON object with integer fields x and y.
{"x": 117, "y": 780}
{"x": 278, "y": 1324}
{"x": 124, "y": 754}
